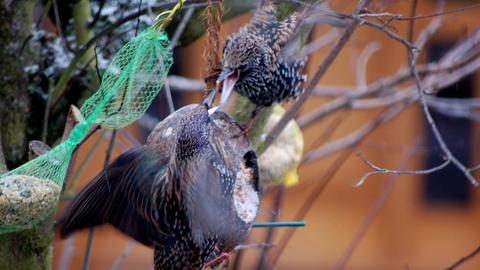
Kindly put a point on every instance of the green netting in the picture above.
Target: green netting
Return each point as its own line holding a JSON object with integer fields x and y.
{"x": 129, "y": 84}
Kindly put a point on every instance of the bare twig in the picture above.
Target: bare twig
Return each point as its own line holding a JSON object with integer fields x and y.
{"x": 82, "y": 166}
{"x": 380, "y": 170}
{"x": 120, "y": 260}
{"x": 254, "y": 246}
{"x": 168, "y": 96}
{"x": 91, "y": 232}
{"x": 450, "y": 68}
{"x": 362, "y": 62}
{"x": 411, "y": 24}
{"x": 46, "y": 9}
{"x": 435, "y": 81}
{"x": 130, "y": 138}
{"x": 320, "y": 43}
{"x": 58, "y": 23}
{"x": 97, "y": 15}
{"x": 384, "y": 101}
{"x": 464, "y": 259}
{"x": 431, "y": 28}
{"x": 433, "y": 126}
{"x": 374, "y": 210}
{"x": 96, "y": 64}
{"x": 400, "y": 17}
{"x": 463, "y": 54}
{"x": 389, "y": 33}
{"x": 355, "y": 137}
{"x": 88, "y": 249}
{"x": 67, "y": 253}
{"x": 332, "y": 90}
{"x": 138, "y": 18}
{"x": 182, "y": 84}
{"x": 345, "y": 101}
{"x": 110, "y": 148}
{"x": 263, "y": 260}
{"x": 412, "y": 53}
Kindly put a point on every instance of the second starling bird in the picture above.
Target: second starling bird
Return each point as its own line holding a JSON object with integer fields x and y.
{"x": 252, "y": 63}
{"x": 190, "y": 192}
{"x": 255, "y": 60}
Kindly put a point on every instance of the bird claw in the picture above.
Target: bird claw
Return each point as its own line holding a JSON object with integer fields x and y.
{"x": 245, "y": 130}
{"x": 218, "y": 260}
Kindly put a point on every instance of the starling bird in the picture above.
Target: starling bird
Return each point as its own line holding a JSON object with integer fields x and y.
{"x": 190, "y": 192}
{"x": 253, "y": 65}
{"x": 254, "y": 60}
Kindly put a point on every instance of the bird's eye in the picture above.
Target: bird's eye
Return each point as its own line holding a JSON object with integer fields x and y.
{"x": 243, "y": 68}
{"x": 227, "y": 43}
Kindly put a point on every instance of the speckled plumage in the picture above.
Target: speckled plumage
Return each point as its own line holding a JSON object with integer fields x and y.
{"x": 176, "y": 192}
{"x": 264, "y": 75}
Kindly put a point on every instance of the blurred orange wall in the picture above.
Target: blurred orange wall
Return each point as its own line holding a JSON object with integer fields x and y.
{"x": 407, "y": 233}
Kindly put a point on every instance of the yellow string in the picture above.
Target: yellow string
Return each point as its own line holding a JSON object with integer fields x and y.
{"x": 168, "y": 14}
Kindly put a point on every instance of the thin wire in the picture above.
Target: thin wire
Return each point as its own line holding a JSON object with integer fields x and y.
{"x": 279, "y": 224}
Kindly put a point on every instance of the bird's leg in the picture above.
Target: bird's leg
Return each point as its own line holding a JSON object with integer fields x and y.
{"x": 222, "y": 257}
{"x": 251, "y": 119}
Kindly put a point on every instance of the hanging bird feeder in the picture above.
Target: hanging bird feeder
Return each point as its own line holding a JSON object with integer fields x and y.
{"x": 131, "y": 81}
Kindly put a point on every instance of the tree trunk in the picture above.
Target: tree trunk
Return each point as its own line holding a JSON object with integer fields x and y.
{"x": 29, "y": 249}
{"x": 15, "y": 28}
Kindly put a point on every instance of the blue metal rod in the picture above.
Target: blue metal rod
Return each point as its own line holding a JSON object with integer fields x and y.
{"x": 278, "y": 224}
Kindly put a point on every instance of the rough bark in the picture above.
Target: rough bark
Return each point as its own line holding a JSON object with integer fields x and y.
{"x": 29, "y": 249}
{"x": 15, "y": 24}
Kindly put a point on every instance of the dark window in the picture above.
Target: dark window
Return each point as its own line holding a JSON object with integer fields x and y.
{"x": 449, "y": 185}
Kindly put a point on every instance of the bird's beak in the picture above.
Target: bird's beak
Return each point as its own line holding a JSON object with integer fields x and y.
{"x": 208, "y": 100}
{"x": 227, "y": 79}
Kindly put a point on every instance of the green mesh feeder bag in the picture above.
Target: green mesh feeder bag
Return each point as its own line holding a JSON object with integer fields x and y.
{"x": 131, "y": 81}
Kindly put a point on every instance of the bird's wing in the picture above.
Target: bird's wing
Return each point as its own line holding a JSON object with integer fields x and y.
{"x": 229, "y": 156}
{"x": 264, "y": 21}
{"x": 120, "y": 195}
{"x": 203, "y": 196}
{"x": 265, "y": 24}
{"x": 286, "y": 31}
{"x": 210, "y": 206}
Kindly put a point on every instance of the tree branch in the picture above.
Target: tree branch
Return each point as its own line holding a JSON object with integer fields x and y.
{"x": 355, "y": 137}
{"x": 374, "y": 210}
{"x": 464, "y": 259}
